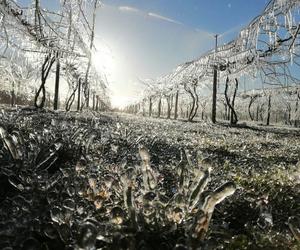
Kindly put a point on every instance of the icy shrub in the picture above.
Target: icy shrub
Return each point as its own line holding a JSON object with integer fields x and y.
{"x": 189, "y": 210}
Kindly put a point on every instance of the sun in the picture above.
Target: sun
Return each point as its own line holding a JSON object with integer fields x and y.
{"x": 118, "y": 101}
{"x": 103, "y": 59}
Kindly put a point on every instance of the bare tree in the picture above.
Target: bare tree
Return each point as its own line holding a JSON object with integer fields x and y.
{"x": 252, "y": 100}
{"x": 159, "y": 107}
{"x": 192, "y": 90}
{"x": 41, "y": 93}
{"x": 176, "y": 105}
{"x": 230, "y": 104}
{"x": 269, "y": 110}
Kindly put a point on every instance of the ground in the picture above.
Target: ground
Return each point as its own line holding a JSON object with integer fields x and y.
{"x": 66, "y": 179}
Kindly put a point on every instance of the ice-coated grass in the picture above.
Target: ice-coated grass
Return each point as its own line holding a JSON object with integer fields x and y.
{"x": 86, "y": 181}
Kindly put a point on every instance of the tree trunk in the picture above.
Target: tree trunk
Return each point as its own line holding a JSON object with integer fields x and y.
{"x": 225, "y": 111}
{"x": 288, "y": 114}
{"x": 13, "y": 96}
{"x": 252, "y": 99}
{"x": 94, "y": 101}
{"x": 88, "y": 97}
{"x": 233, "y": 115}
{"x": 296, "y": 109}
{"x": 71, "y": 99}
{"x": 97, "y": 103}
{"x": 176, "y": 105}
{"x": 150, "y": 106}
{"x": 192, "y": 108}
{"x": 214, "y": 97}
{"x": 228, "y": 111}
{"x": 159, "y": 107}
{"x": 143, "y": 107}
{"x": 187, "y": 111}
{"x": 261, "y": 113}
{"x": 101, "y": 106}
{"x": 168, "y": 107}
{"x": 196, "y": 102}
{"x": 37, "y": 20}
{"x": 46, "y": 67}
{"x": 269, "y": 111}
{"x": 78, "y": 95}
{"x": 56, "y": 92}
{"x": 191, "y": 113}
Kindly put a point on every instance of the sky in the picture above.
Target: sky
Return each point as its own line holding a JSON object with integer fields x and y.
{"x": 148, "y": 38}
{"x": 145, "y": 39}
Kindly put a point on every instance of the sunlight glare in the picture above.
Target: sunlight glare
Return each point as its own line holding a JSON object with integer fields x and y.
{"x": 103, "y": 59}
{"x": 121, "y": 102}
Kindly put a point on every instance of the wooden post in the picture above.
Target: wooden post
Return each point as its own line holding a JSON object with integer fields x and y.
{"x": 214, "y": 97}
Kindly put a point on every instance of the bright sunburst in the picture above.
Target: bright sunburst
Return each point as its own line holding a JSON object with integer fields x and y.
{"x": 103, "y": 59}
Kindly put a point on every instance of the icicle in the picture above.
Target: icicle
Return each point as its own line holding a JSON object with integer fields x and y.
{"x": 256, "y": 38}
{"x": 9, "y": 143}
{"x": 294, "y": 225}
{"x": 288, "y": 21}
{"x": 149, "y": 176}
{"x": 291, "y": 19}
{"x": 218, "y": 195}
{"x": 129, "y": 204}
{"x": 198, "y": 188}
{"x": 285, "y": 22}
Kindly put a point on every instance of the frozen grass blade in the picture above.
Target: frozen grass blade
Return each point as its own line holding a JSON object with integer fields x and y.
{"x": 218, "y": 196}
{"x": 149, "y": 176}
{"x": 129, "y": 203}
{"x": 203, "y": 216}
{"x": 9, "y": 143}
{"x": 198, "y": 188}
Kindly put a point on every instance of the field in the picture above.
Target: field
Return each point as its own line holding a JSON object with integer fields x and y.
{"x": 116, "y": 181}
